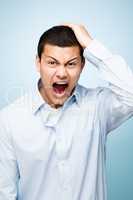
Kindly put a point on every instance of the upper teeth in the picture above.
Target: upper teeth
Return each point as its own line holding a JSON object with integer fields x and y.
{"x": 61, "y": 83}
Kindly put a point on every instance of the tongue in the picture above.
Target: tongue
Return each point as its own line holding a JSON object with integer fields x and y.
{"x": 59, "y": 88}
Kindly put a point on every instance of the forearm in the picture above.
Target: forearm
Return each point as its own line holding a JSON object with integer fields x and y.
{"x": 113, "y": 69}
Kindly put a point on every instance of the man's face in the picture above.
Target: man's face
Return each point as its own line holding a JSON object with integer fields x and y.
{"x": 59, "y": 69}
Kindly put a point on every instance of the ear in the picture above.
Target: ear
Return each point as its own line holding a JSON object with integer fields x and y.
{"x": 82, "y": 64}
{"x": 37, "y": 62}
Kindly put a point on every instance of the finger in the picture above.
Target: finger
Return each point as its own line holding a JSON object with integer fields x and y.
{"x": 67, "y": 24}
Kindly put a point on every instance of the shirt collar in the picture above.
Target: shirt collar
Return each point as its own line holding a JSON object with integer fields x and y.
{"x": 75, "y": 95}
{"x": 38, "y": 101}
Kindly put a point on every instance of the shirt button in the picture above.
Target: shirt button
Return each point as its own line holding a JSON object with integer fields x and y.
{"x": 62, "y": 163}
{"x": 60, "y": 139}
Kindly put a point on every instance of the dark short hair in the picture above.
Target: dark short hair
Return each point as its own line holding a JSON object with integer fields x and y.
{"x": 61, "y": 36}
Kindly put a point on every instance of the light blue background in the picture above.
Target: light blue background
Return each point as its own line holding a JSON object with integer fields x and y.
{"x": 22, "y": 23}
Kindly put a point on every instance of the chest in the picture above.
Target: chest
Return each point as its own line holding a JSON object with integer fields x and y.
{"x": 62, "y": 136}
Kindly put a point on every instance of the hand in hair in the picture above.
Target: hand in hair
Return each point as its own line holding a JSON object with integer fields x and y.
{"x": 81, "y": 34}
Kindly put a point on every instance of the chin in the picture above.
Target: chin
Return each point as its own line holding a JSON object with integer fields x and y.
{"x": 59, "y": 102}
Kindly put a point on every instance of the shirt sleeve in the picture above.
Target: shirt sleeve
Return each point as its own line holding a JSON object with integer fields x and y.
{"x": 119, "y": 77}
{"x": 8, "y": 165}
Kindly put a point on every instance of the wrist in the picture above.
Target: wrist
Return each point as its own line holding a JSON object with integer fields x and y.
{"x": 88, "y": 42}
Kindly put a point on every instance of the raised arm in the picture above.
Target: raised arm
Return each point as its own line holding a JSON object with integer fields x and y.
{"x": 114, "y": 70}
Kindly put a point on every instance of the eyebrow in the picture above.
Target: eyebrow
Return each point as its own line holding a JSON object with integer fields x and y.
{"x": 66, "y": 62}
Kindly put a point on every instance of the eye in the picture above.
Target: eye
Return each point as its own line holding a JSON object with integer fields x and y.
{"x": 51, "y": 62}
{"x": 72, "y": 64}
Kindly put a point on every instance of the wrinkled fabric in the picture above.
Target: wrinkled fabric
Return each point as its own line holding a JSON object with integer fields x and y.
{"x": 60, "y": 154}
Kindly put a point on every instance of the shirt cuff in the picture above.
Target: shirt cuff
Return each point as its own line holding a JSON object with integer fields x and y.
{"x": 97, "y": 50}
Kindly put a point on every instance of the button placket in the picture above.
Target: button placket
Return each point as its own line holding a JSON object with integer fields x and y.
{"x": 62, "y": 164}
{"x": 64, "y": 175}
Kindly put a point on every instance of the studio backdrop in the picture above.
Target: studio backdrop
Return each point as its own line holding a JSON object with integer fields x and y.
{"x": 22, "y": 23}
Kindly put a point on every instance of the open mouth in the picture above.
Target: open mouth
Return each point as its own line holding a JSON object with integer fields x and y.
{"x": 59, "y": 88}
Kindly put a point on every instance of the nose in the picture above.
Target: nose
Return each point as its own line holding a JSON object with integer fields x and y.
{"x": 61, "y": 72}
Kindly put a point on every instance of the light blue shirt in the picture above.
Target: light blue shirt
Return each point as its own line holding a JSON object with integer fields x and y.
{"x": 59, "y": 154}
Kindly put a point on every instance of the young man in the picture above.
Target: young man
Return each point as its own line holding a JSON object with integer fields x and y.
{"x": 52, "y": 140}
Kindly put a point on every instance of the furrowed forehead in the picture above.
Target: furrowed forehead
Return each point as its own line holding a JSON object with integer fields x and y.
{"x": 61, "y": 52}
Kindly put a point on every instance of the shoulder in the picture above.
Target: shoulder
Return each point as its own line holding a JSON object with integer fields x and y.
{"x": 94, "y": 93}
{"x": 17, "y": 108}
